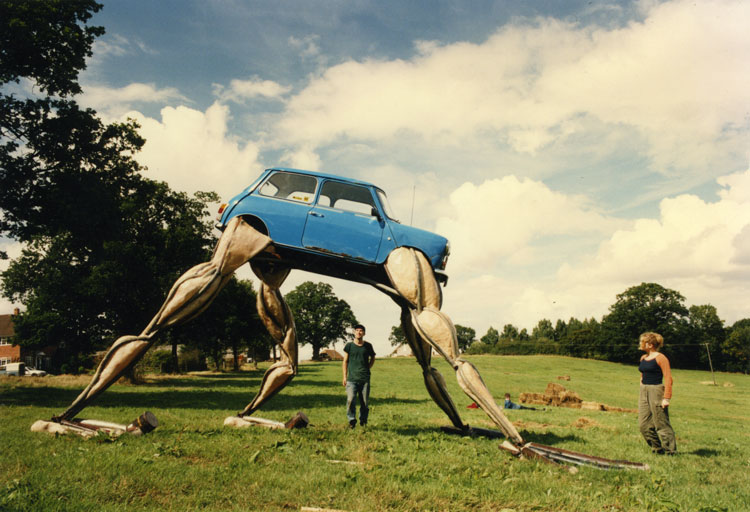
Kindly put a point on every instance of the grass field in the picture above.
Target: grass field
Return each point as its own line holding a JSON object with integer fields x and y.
{"x": 402, "y": 461}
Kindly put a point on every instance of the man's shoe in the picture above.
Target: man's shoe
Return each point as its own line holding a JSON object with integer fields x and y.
{"x": 352, "y": 423}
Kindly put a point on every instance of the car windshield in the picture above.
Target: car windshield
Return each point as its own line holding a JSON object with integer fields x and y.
{"x": 386, "y": 205}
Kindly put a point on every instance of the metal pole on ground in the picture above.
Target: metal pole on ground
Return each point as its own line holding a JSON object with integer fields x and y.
{"x": 710, "y": 363}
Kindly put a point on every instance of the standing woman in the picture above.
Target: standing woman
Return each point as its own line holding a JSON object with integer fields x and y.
{"x": 656, "y": 390}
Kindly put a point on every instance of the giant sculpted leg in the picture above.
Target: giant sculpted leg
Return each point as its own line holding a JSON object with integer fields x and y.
{"x": 189, "y": 296}
{"x": 277, "y": 317}
{"x": 427, "y": 327}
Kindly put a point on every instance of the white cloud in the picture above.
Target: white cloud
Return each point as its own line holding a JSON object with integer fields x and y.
{"x": 490, "y": 300}
{"x": 699, "y": 248}
{"x": 691, "y": 239}
{"x": 307, "y": 45}
{"x": 302, "y": 158}
{"x": 678, "y": 79}
{"x": 241, "y": 90}
{"x": 309, "y": 50}
{"x": 192, "y": 150}
{"x": 696, "y": 247}
{"x": 501, "y": 219}
{"x": 111, "y": 46}
{"x": 113, "y": 102}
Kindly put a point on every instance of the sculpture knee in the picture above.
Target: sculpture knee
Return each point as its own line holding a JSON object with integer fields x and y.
{"x": 412, "y": 276}
{"x": 238, "y": 244}
{"x": 438, "y": 330}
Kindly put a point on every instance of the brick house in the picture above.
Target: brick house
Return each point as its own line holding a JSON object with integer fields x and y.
{"x": 40, "y": 359}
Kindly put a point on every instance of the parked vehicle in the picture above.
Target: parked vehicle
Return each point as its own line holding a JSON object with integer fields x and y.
{"x": 33, "y": 372}
{"x": 330, "y": 225}
{"x": 17, "y": 369}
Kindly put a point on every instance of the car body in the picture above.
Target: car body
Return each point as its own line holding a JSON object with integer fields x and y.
{"x": 33, "y": 372}
{"x": 17, "y": 369}
{"x": 330, "y": 225}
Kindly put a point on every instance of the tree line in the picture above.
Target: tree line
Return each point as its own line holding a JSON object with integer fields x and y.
{"x": 695, "y": 337}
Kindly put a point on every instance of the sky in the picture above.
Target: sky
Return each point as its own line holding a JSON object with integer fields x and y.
{"x": 568, "y": 150}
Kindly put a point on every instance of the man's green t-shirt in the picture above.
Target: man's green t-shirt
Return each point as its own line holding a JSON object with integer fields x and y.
{"x": 358, "y": 367}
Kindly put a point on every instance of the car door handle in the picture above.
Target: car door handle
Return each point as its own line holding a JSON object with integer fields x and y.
{"x": 316, "y": 214}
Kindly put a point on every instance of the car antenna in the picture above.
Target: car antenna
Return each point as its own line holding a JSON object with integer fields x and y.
{"x": 413, "y": 192}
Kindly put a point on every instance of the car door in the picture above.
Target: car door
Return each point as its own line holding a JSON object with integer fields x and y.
{"x": 282, "y": 203}
{"x": 344, "y": 221}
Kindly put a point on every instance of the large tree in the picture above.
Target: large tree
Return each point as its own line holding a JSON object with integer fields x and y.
{"x": 101, "y": 244}
{"x": 510, "y": 332}
{"x": 543, "y": 330}
{"x": 465, "y": 336}
{"x": 321, "y": 318}
{"x": 706, "y": 334}
{"x": 491, "y": 337}
{"x": 397, "y": 336}
{"x": 736, "y": 347}
{"x": 642, "y": 308}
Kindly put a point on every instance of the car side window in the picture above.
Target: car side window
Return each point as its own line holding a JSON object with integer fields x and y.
{"x": 287, "y": 185}
{"x": 344, "y": 196}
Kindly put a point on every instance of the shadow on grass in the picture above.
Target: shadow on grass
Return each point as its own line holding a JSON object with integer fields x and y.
{"x": 240, "y": 379}
{"x": 57, "y": 398}
{"x": 207, "y": 381}
{"x": 548, "y": 438}
{"x": 206, "y": 392}
{"x": 703, "y": 452}
{"x": 318, "y": 384}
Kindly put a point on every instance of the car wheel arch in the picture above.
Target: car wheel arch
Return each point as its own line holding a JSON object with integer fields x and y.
{"x": 256, "y": 223}
{"x": 420, "y": 251}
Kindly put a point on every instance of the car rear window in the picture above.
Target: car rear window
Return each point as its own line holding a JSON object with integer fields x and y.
{"x": 287, "y": 185}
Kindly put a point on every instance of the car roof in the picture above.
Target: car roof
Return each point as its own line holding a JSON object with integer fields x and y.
{"x": 324, "y": 175}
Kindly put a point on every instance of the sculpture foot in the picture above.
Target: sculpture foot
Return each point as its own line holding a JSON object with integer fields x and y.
{"x": 566, "y": 457}
{"x": 299, "y": 420}
{"x": 143, "y": 424}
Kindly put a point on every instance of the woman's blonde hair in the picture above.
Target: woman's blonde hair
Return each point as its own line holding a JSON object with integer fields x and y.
{"x": 652, "y": 338}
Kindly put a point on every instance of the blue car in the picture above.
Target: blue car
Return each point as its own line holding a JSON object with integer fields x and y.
{"x": 330, "y": 225}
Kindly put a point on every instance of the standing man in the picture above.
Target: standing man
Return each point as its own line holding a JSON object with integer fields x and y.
{"x": 359, "y": 356}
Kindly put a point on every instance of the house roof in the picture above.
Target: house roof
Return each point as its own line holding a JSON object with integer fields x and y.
{"x": 6, "y": 326}
{"x": 333, "y": 354}
{"x": 403, "y": 350}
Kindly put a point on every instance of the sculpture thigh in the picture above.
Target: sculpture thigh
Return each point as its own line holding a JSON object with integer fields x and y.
{"x": 424, "y": 324}
{"x": 191, "y": 294}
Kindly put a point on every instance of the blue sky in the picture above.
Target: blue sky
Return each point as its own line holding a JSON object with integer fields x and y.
{"x": 569, "y": 150}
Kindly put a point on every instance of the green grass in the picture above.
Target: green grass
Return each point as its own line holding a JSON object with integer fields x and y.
{"x": 402, "y": 461}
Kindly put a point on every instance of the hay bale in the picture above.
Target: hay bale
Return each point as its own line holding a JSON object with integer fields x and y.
{"x": 554, "y": 389}
{"x": 534, "y": 398}
{"x": 592, "y": 406}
